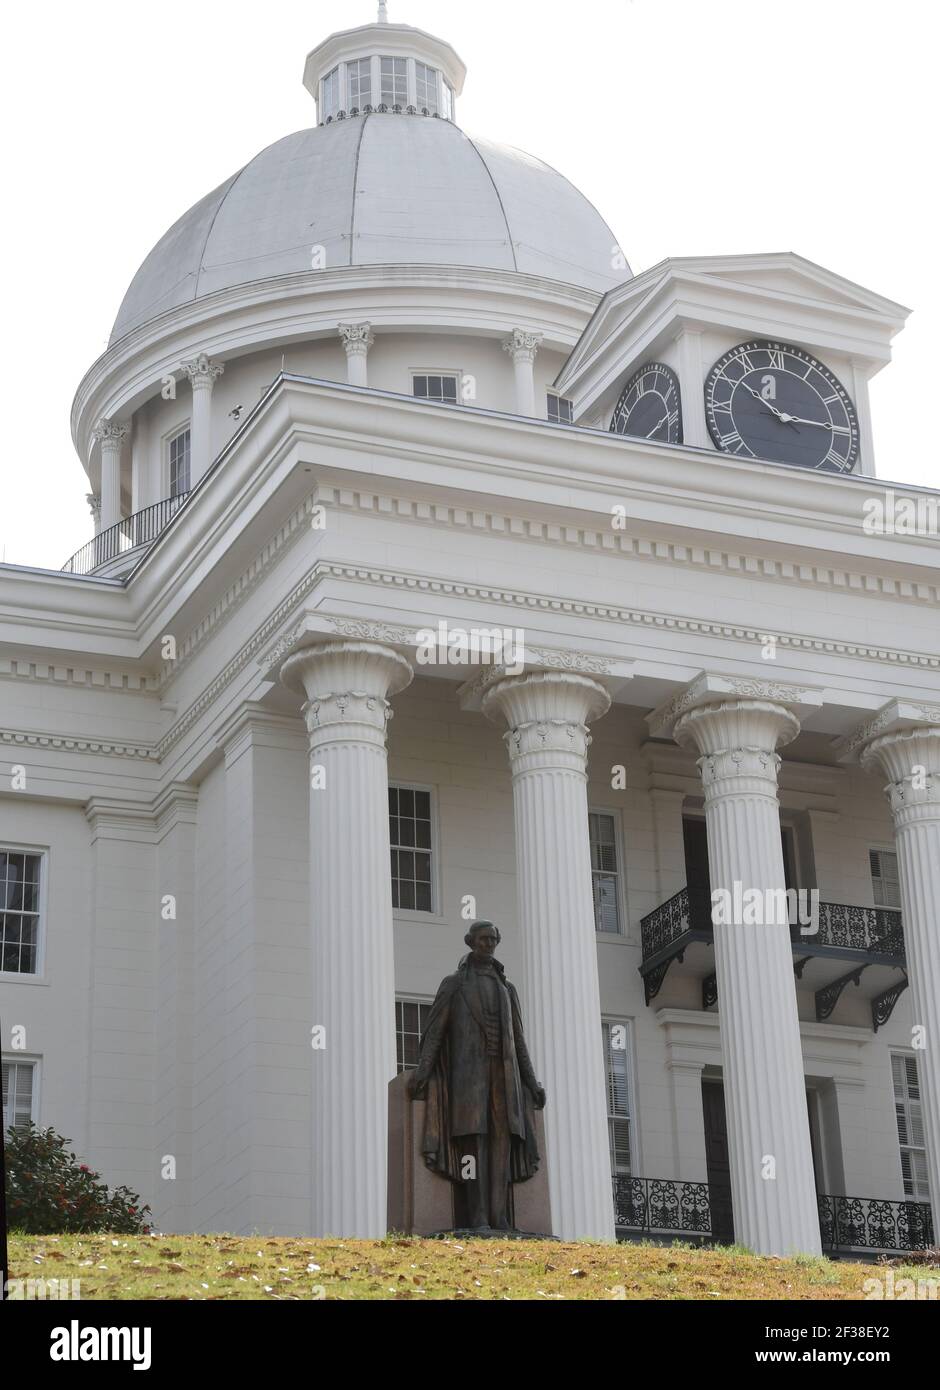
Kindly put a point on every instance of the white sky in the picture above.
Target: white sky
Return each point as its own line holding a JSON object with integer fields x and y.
{"x": 118, "y": 115}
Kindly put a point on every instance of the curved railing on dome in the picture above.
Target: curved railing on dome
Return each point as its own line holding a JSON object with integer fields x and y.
{"x": 129, "y": 533}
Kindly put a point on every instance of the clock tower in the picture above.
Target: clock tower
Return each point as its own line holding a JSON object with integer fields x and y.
{"x": 766, "y": 357}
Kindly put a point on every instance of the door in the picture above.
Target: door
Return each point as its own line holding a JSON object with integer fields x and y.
{"x": 695, "y": 842}
{"x": 717, "y": 1163}
{"x": 696, "y": 872}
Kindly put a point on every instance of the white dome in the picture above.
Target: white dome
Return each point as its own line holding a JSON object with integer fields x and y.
{"x": 377, "y": 189}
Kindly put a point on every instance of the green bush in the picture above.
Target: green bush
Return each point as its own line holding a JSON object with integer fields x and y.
{"x": 50, "y": 1193}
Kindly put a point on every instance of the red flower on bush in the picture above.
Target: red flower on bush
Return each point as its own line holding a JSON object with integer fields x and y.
{"x": 52, "y": 1192}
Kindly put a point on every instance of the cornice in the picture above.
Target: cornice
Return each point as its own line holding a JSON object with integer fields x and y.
{"x": 519, "y": 598}
{"x": 514, "y": 463}
{"x": 278, "y": 310}
{"x": 88, "y": 677}
{"x": 696, "y": 557}
{"x": 23, "y": 738}
{"x": 271, "y": 552}
{"x": 635, "y": 617}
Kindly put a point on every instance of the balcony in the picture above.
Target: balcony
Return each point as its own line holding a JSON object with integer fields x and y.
{"x": 666, "y": 1209}
{"x": 115, "y": 552}
{"x": 861, "y": 946}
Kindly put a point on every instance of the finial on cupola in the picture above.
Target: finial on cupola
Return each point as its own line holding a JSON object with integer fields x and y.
{"x": 383, "y": 12}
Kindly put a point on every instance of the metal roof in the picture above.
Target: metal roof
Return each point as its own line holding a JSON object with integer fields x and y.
{"x": 378, "y": 189}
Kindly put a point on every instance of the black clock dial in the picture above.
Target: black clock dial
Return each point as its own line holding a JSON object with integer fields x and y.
{"x": 772, "y": 401}
{"x": 649, "y": 406}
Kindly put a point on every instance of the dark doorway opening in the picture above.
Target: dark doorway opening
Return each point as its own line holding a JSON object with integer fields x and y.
{"x": 695, "y": 843}
{"x": 717, "y": 1162}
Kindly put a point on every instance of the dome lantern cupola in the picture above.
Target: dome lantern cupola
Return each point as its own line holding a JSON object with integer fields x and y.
{"x": 386, "y": 68}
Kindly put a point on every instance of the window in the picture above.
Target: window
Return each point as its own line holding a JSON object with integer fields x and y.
{"x": 447, "y": 100}
{"x": 603, "y": 838}
{"x": 395, "y": 81}
{"x": 409, "y": 833}
{"x": 330, "y": 90}
{"x": 20, "y": 877}
{"x": 618, "y": 1055}
{"x": 559, "y": 410}
{"x": 18, "y": 1093}
{"x": 359, "y": 84}
{"x": 436, "y": 388}
{"x": 426, "y": 80}
{"x": 179, "y": 463}
{"x": 885, "y": 884}
{"x": 411, "y": 1019}
{"x": 907, "y": 1107}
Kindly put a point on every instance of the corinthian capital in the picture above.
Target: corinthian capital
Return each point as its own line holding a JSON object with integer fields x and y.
{"x": 111, "y": 434}
{"x": 357, "y": 338}
{"x": 903, "y": 743}
{"x": 523, "y": 346}
{"x": 732, "y": 693}
{"x": 201, "y": 372}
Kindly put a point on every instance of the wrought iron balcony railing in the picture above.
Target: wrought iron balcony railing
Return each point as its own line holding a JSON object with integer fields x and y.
{"x": 841, "y": 925}
{"x": 129, "y": 533}
{"x": 864, "y": 936}
{"x": 664, "y": 926}
{"x": 664, "y": 1207}
{"x": 661, "y": 1206}
{"x": 868, "y": 1223}
{"x": 876, "y": 930}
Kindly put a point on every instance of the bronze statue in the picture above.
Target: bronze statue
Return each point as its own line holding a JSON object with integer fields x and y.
{"x": 475, "y": 1071}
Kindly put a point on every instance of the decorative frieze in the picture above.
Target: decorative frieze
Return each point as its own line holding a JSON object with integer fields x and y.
{"x": 648, "y": 548}
{"x": 296, "y": 526}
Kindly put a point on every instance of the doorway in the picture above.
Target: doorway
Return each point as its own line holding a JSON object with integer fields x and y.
{"x": 698, "y": 882}
{"x": 717, "y": 1161}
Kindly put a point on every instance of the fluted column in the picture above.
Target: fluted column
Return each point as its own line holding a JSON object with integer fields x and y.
{"x": 523, "y": 347}
{"x": 203, "y": 375}
{"x": 347, "y": 685}
{"x": 904, "y": 745}
{"x": 357, "y": 340}
{"x": 772, "y": 1181}
{"x": 548, "y": 741}
{"x": 110, "y": 435}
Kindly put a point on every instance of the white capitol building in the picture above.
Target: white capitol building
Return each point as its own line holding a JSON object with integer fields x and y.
{"x": 388, "y": 377}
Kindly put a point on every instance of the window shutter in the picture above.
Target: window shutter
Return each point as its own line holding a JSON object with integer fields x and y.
{"x": 886, "y": 886}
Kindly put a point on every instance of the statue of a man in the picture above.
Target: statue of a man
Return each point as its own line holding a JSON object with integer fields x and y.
{"x": 474, "y": 1068}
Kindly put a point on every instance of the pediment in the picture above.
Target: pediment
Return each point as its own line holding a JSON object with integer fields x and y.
{"x": 780, "y": 295}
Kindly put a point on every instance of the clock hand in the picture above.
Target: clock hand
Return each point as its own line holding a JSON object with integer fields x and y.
{"x": 657, "y": 426}
{"x": 780, "y": 414}
{"x": 820, "y": 424}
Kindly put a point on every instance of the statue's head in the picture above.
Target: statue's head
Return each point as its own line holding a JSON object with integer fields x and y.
{"x": 482, "y": 938}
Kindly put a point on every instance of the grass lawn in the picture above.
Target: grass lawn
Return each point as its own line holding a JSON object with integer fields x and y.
{"x": 402, "y": 1267}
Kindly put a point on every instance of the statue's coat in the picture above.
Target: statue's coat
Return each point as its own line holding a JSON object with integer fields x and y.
{"x": 455, "y": 1065}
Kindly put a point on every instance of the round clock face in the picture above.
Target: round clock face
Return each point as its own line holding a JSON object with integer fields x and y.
{"x": 772, "y": 401}
{"x": 649, "y": 406}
